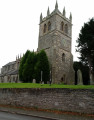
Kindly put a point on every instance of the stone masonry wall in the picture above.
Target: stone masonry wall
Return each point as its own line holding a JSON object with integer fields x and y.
{"x": 61, "y": 99}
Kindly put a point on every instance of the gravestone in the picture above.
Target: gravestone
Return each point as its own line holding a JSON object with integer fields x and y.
{"x": 91, "y": 77}
{"x": 42, "y": 82}
{"x": 79, "y": 77}
{"x": 34, "y": 80}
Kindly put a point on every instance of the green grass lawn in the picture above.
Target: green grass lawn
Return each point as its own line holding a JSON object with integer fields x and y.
{"x": 34, "y": 85}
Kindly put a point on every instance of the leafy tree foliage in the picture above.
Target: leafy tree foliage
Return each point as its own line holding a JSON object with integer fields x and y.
{"x": 22, "y": 63}
{"x": 28, "y": 69}
{"x": 37, "y": 69}
{"x": 42, "y": 65}
{"x": 93, "y": 62}
{"x": 85, "y": 72}
{"x": 31, "y": 66}
{"x": 86, "y": 43}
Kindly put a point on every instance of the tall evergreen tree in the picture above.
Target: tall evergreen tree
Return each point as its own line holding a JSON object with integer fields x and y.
{"x": 23, "y": 61}
{"x": 42, "y": 65}
{"x": 86, "y": 47}
{"x": 31, "y": 66}
{"x": 37, "y": 69}
{"x": 28, "y": 69}
{"x": 93, "y": 62}
{"x": 86, "y": 43}
{"x": 85, "y": 72}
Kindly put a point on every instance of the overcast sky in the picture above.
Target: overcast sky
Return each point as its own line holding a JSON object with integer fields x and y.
{"x": 19, "y": 23}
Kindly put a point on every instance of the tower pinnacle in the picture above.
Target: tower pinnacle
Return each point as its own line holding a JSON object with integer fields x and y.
{"x": 20, "y": 56}
{"x": 70, "y": 17}
{"x": 64, "y": 12}
{"x": 16, "y": 57}
{"x": 41, "y": 18}
{"x": 48, "y": 12}
{"x": 56, "y": 5}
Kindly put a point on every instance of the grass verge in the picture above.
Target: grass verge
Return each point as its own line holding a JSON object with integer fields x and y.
{"x": 35, "y": 85}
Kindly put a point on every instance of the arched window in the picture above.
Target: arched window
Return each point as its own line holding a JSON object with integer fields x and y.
{"x": 63, "y": 79}
{"x": 49, "y": 26}
{"x": 66, "y": 29}
{"x": 63, "y": 57}
{"x": 45, "y": 26}
{"x": 62, "y": 26}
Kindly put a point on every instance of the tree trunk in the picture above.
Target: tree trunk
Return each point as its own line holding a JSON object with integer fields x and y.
{"x": 91, "y": 73}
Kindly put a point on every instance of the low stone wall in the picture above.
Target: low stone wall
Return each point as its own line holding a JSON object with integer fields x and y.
{"x": 61, "y": 99}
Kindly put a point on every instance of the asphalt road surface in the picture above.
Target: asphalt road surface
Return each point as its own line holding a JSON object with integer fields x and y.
{"x": 10, "y": 116}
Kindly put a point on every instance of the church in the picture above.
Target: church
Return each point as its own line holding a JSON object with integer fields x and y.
{"x": 9, "y": 72}
{"x": 55, "y": 37}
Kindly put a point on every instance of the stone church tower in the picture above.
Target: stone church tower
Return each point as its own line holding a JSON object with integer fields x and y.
{"x": 55, "y": 37}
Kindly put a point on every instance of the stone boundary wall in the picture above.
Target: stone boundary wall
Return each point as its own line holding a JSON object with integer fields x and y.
{"x": 74, "y": 100}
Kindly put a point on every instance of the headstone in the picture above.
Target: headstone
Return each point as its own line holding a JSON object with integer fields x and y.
{"x": 42, "y": 82}
{"x": 50, "y": 78}
{"x": 34, "y": 80}
{"x": 91, "y": 77}
{"x": 79, "y": 77}
{"x": 41, "y": 75}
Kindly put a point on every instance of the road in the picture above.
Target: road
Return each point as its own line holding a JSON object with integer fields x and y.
{"x": 10, "y": 116}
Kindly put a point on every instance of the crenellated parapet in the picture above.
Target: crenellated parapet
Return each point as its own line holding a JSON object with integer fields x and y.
{"x": 55, "y": 11}
{"x": 18, "y": 57}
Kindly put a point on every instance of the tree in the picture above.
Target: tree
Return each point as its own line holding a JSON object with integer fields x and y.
{"x": 42, "y": 65}
{"x": 37, "y": 69}
{"x": 85, "y": 72}
{"x": 28, "y": 69}
{"x": 86, "y": 43}
{"x": 22, "y": 64}
{"x": 76, "y": 66}
{"x": 31, "y": 66}
{"x": 93, "y": 62}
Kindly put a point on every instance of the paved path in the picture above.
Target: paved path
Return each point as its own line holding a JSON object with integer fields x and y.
{"x": 21, "y": 115}
{"x": 10, "y": 116}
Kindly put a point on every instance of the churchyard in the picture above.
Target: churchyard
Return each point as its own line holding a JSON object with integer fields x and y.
{"x": 36, "y": 85}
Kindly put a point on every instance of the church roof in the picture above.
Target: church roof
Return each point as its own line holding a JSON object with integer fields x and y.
{"x": 10, "y": 63}
{"x": 12, "y": 72}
